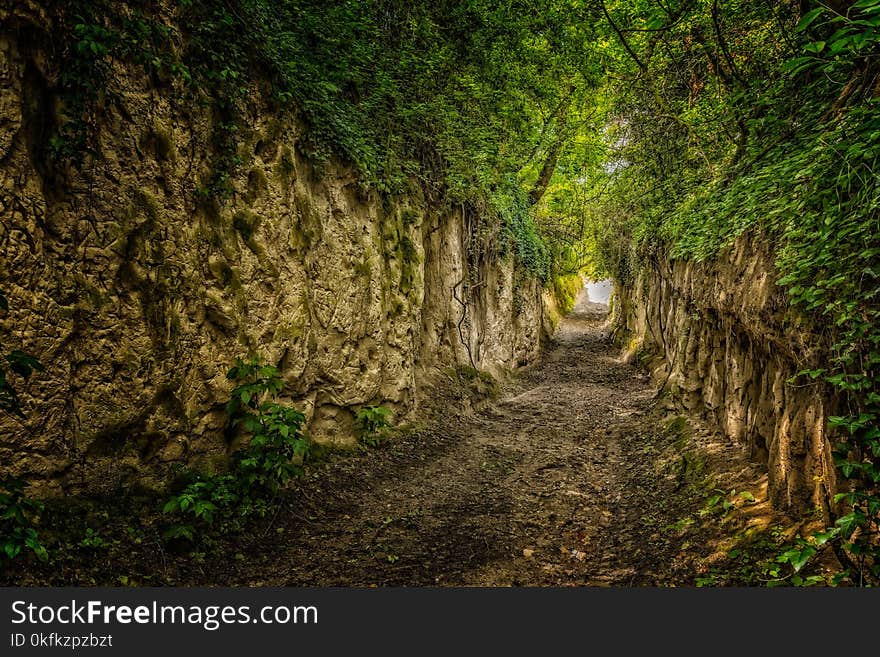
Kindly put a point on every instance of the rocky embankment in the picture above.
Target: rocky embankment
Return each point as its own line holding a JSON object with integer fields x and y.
{"x": 721, "y": 339}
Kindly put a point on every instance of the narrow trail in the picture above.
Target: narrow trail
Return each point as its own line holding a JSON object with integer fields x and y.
{"x": 577, "y": 474}
{"x": 555, "y": 484}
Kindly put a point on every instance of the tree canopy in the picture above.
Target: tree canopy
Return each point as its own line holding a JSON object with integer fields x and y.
{"x": 601, "y": 133}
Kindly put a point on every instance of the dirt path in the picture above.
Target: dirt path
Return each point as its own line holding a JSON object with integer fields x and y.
{"x": 555, "y": 484}
{"x": 577, "y": 475}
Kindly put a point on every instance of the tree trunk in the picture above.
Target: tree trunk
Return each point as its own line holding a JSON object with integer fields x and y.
{"x": 552, "y": 157}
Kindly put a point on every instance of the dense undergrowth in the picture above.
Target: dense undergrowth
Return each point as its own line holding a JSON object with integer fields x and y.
{"x": 762, "y": 118}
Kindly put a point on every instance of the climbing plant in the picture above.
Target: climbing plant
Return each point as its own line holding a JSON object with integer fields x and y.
{"x": 830, "y": 260}
{"x": 725, "y": 118}
{"x": 472, "y": 101}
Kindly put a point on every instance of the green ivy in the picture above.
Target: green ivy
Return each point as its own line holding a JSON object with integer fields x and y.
{"x": 94, "y": 34}
{"x": 776, "y": 132}
{"x": 521, "y": 235}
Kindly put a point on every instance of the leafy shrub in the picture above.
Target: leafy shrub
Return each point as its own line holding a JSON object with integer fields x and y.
{"x": 16, "y": 521}
{"x": 277, "y": 446}
{"x": 200, "y": 501}
{"x": 373, "y": 424}
{"x": 273, "y": 455}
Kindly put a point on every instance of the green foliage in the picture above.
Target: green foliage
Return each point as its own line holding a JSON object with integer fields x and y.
{"x": 273, "y": 455}
{"x": 17, "y": 512}
{"x": 839, "y": 39}
{"x": 94, "y": 33}
{"x": 752, "y": 561}
{"x": 16, "y": 363}
{"x": 521, "y": 236}
{"x": 373, "y": 424}
{"x": 466, "y": 100}
{"x": 717, "y": 504}
{"x": 830, "y": 258}
{"x": 92, "y": 540}
{"x": 565, "y": 291}
{"x": 749, "y": 117}
{"x": 198, "y": 504}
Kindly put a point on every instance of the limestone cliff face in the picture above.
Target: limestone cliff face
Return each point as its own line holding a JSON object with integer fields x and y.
{"x": 137, "y": 296}
{"x": 723, "y": 342}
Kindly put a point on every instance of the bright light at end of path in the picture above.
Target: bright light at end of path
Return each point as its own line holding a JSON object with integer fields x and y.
{"x": 599, "y": 291}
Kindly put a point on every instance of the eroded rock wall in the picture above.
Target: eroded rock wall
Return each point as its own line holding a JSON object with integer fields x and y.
{"x": 720, "y": 337}
{"x": 137, "y": 296}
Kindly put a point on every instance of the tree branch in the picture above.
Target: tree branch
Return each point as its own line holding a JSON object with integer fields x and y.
{"x": 622, "y": 38}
